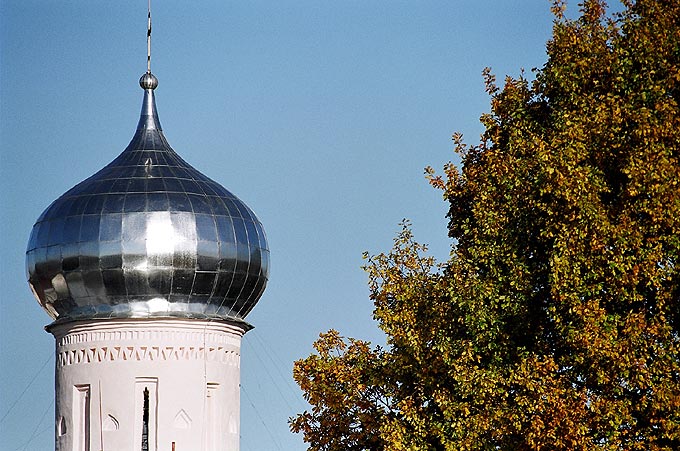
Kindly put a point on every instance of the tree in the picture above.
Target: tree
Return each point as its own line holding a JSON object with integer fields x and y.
{"x": 555, "y": 324}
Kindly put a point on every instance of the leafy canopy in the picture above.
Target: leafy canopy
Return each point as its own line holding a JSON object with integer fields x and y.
{"x": 555, "y": 324}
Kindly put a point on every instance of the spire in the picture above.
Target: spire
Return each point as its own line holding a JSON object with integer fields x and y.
{"x": 148, "y": 40}
{"x": 149, "y": 117}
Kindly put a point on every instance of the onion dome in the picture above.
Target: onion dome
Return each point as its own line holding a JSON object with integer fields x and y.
{"x": 147, "y": 236}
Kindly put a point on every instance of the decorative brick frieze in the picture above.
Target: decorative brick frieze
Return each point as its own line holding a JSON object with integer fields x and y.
{"x": 167, "y": 340}
{"x": 148, "y": 353}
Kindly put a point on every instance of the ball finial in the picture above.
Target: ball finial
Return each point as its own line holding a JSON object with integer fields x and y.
{"x": 148, "y": 81}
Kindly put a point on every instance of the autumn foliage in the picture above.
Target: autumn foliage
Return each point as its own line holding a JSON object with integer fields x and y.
{"x": 555, "y": 324}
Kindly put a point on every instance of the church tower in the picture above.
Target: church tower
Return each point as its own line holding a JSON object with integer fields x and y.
{"x": 148, "y": 269}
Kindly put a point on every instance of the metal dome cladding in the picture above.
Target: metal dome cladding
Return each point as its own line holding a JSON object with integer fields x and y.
{"x": 147, "y": 236}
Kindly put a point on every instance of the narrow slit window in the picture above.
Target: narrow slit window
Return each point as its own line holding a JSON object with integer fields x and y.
{"x": 61, "y": 427}
{"x": 145, "y": 421}
{"x": 145, "y": 414}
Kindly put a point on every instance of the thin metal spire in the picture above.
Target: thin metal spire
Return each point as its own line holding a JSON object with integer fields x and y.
{"x": 149, "y": 118}
{"x": 148, "y": 40}
{"x": 148, "y": 80}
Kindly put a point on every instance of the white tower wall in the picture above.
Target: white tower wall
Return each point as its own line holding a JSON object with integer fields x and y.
{"x": 190, "y": 370}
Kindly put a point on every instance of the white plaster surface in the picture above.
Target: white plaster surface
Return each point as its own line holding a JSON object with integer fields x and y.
{"x": 190, "y": 367}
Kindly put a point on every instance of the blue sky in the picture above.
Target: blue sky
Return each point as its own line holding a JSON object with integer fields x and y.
{"x": 320, "y": 115}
